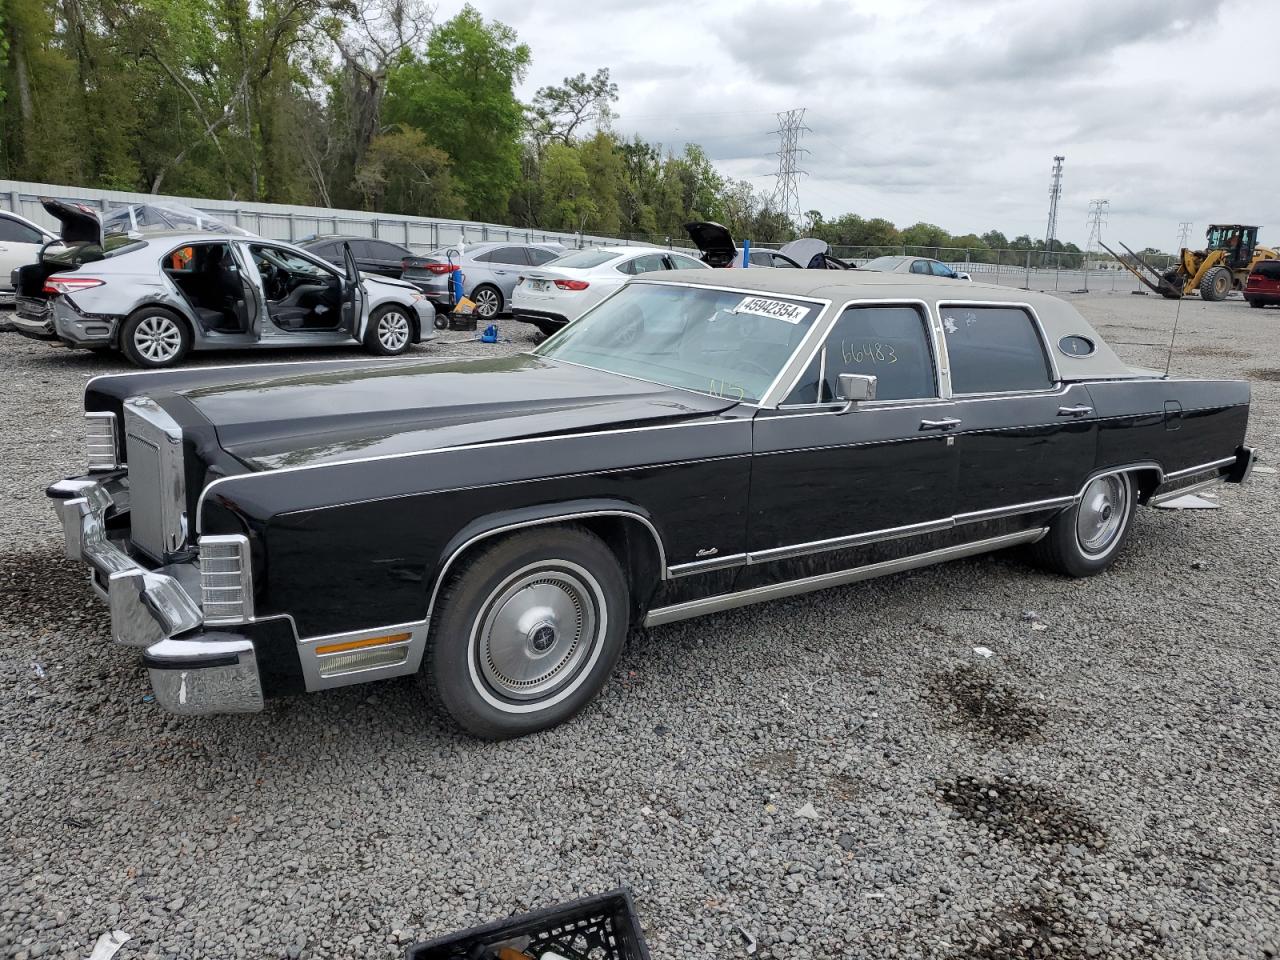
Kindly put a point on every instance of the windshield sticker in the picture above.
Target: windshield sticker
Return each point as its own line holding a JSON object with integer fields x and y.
{"x": 778, "y": 309}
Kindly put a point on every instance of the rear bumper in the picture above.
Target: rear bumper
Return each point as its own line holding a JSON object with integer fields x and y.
{"x": 191, "y": 673}
{"x": 60, "y": 320}
{"x": 540, "y": 318}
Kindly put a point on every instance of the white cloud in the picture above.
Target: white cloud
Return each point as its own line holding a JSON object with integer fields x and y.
{"x": 946, "y": 112}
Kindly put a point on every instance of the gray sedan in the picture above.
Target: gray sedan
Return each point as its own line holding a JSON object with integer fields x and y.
{"x": 490, "y": 272}
{"x": 918, "y": 265}
{"x": 155, "y": 296}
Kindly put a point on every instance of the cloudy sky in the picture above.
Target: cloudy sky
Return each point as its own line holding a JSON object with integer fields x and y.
{"x": 950, "y": 112}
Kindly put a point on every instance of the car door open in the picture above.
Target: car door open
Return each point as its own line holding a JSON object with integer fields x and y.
{"x": 353, "y": 295}
{"x": 836, "y": 482}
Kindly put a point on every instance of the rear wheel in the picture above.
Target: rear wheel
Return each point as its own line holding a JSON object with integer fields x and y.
{"x": 390, "y": 331}
{"x": 1087, "y": 538}
{"x": 155, "y": 337}
{"x": 488, "y": 301}
{"x": 528, "y": 631}
{"x": 1216, "y": 284}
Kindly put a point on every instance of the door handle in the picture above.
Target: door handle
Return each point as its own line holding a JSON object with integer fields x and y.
{"x": 944, "y": 424}
{"x": 1074, "y": 411}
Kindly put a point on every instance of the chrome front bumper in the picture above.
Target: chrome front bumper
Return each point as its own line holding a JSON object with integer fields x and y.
{"x": 205, "y": 673}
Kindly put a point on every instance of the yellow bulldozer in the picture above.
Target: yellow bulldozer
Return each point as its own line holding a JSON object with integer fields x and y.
{"x": 1231, "y": 251}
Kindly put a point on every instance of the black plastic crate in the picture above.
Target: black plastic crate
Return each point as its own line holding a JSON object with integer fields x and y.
{"x": 603, "y": 927}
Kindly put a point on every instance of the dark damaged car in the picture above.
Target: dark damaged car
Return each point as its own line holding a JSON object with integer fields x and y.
{"x": 694, "y": 443}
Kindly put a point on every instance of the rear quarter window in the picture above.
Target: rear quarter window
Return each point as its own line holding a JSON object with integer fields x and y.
{"x": 994, "y": 349}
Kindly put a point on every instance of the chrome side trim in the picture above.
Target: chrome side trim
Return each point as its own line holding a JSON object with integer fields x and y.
{"x": 999, "y": 513}
{"x": 853, "y": 540}
{"x": 728, "y": 601}
{"x": 1202, "y": 468}
{"x": 1159, "y": 498}
{"x": 707, "y": 566}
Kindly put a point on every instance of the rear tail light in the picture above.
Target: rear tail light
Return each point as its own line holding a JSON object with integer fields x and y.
{"x": 442, "y": 268}
{"x": 226, "y": 579}
{"x": 572, "y": 284}
{"x": 56, "y": 285}
{"x": 102, "y": 445}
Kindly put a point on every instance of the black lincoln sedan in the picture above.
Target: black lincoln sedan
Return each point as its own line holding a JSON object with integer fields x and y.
{"x": 695, "y": 442}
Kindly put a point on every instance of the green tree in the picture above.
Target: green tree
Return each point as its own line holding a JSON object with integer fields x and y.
{"x": 402, "y": 173}
{"x": 462, "y": 96}
{"x": 605, "y": 173}
{"x": 557, "y": 113}
{"x": 567, "y": 203}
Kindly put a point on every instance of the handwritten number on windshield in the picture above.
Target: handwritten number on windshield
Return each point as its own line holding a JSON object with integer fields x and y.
{"x": 868, "y": 352}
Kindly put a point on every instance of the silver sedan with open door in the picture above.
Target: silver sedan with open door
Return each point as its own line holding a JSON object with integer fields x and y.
{"x": 157, "y": 295}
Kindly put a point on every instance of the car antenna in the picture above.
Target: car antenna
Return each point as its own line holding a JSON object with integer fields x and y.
{"x": 1174, "y": 336}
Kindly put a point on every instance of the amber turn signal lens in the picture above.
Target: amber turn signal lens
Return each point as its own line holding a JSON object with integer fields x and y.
{"x": 361, "y": 644}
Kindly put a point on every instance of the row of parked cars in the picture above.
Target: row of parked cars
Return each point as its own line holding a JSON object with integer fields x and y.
{"x": 156, "y": 281}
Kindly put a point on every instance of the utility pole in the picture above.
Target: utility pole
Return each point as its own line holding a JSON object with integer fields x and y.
{"x": 1055, "y": 191}
{"x": 786, "y": 193}
{"x": 1184, "y": 234}
{"x": 1097, "y": 220}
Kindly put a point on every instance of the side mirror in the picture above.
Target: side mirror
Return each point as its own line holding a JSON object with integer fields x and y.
{"x": 855, "y": 387}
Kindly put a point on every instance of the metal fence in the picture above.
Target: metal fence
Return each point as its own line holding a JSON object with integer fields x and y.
{"x": 1054, "y": 271}
{"x": 280, "y": 222}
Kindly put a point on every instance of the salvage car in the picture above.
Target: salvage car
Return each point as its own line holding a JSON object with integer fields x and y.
{"x": 490, "y": 272}
{"x": 20, "y": 243}
{"x": 696, "y": 442}
{"x": 919, "y": 265}
{"x": 717, "y": 249}
{"x": 155, "y": 293}
{"x": 557, "y": 293}
{"x": 1262, "y": 289}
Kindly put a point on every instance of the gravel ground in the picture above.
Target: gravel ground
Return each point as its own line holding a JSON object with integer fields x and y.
{"x": 1104, "y": 785}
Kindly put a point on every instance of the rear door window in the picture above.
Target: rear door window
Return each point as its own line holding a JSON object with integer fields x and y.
{"x": 648, "y": 263}
{"x": 12, "y": 231}
{"x": 539, "y": 256}
{"x": 512, "y": 255}
{"x": 994, "y": 349}
{"x": 889, "y": 342}
{"x": 920, "y": 266}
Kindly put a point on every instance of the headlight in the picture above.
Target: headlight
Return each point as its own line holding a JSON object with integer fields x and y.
{"x": 226, "y": 579}
{"x": 102, "y": 445}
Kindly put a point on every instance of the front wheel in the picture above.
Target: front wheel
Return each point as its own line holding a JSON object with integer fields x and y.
{"x": 1216, "y": 284}
{"x": 155, "y": 337}
{"x": 528, "y": 631}
{"x": 390, "y": 331}
{"x": 1087, "y": 538}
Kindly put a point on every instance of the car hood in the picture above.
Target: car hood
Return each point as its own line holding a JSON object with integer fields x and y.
{"x": 806, "y": 250}
{"x": 387, "y": 408}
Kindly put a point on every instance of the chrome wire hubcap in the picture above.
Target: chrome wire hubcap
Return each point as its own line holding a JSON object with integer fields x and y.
{"x": 486, "y": 303}
{"x": 537, "y": 629}
{"x": 393, "y": 330}
{"x": 157, "y": 338}
{"x": 1102, "y": 513}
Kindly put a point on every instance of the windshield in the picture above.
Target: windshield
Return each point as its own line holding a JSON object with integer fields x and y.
{"x": 582, "y": 259}
{"x": 722, "y": 342}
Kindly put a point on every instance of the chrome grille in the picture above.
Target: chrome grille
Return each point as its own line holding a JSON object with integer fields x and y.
{"x": 157, "y": 487}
